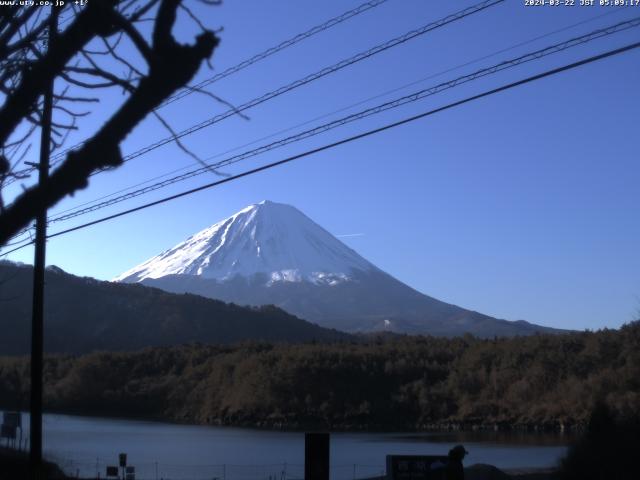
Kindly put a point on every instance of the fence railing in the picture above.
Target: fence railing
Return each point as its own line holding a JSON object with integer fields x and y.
{"x": 167, "y": 471}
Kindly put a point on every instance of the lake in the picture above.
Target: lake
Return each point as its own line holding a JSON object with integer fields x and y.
{"x": 86, "y": 445}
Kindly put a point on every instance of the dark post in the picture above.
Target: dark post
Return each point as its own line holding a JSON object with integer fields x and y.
{"x": 37, "y": 325}
{"x": 316, "y": 456}
{"x": 123, "y": 464}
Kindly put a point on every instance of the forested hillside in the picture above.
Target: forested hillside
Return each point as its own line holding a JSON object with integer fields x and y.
{"x": 84, "y": 315}
{"x": 404, "y": 383}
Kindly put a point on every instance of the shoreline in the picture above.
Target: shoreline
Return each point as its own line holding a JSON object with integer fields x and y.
{"x": 299, "y": 427}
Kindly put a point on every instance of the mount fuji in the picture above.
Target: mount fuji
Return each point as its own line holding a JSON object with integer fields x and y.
{"x": 271, "y": 253}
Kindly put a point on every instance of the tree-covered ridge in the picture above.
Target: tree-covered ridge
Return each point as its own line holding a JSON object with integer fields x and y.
{"x": 404, "y": 383}
{"x": 84, "y": 315}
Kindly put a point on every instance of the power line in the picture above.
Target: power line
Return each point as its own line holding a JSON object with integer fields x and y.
{"x": 348, "y": 107}
{"x": 315, "y": 76}
{"x": 275, "y": 49}
{"x": 246, "y": 63}
{"x": 18, "y": 242}
{"x": 323, "y": 128}
{"x": 3, "y": 254}
{"x": 413, "y": 97}
{"x": 353, "y": 138}
{"x": 16, "y": 249}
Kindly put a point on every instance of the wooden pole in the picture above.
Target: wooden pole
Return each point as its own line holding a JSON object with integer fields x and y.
{"x": 316, "y": 456}
{"x": 37, "y": 319}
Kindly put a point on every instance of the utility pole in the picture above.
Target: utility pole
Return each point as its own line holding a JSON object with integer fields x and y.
{"x": 37, "y": 319}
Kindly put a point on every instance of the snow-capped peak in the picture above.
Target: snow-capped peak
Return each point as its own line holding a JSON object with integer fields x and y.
{"x": 268, "y": 238}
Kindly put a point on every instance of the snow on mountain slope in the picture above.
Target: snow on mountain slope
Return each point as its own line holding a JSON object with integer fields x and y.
{"x": 272, "y": 254}
{"x": 265, "y": 238}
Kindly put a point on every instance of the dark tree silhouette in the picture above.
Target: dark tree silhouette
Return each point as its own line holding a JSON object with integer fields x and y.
{"x": 85, "y": 54}
{"x": 607, "y": 450}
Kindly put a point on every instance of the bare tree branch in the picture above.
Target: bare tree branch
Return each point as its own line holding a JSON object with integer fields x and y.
{"x": 170, "y": 66}
{"x": 93, "y": 20}
{"x": 113, "y": 80}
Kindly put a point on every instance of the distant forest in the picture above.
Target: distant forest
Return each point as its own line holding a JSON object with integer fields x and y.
{"x": 409, "y": 383}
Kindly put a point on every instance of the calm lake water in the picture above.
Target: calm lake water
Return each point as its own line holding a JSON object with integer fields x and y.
{"x": 86, "y": 445}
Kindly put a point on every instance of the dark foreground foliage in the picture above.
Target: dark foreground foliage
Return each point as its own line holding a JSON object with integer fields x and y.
{"x": 542, "y": 381}
{"x": 15, "y": 465}
{"x": 607, "y": 451}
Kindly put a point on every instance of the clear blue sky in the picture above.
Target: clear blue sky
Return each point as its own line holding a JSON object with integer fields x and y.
{"x": 523, "y": 205}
